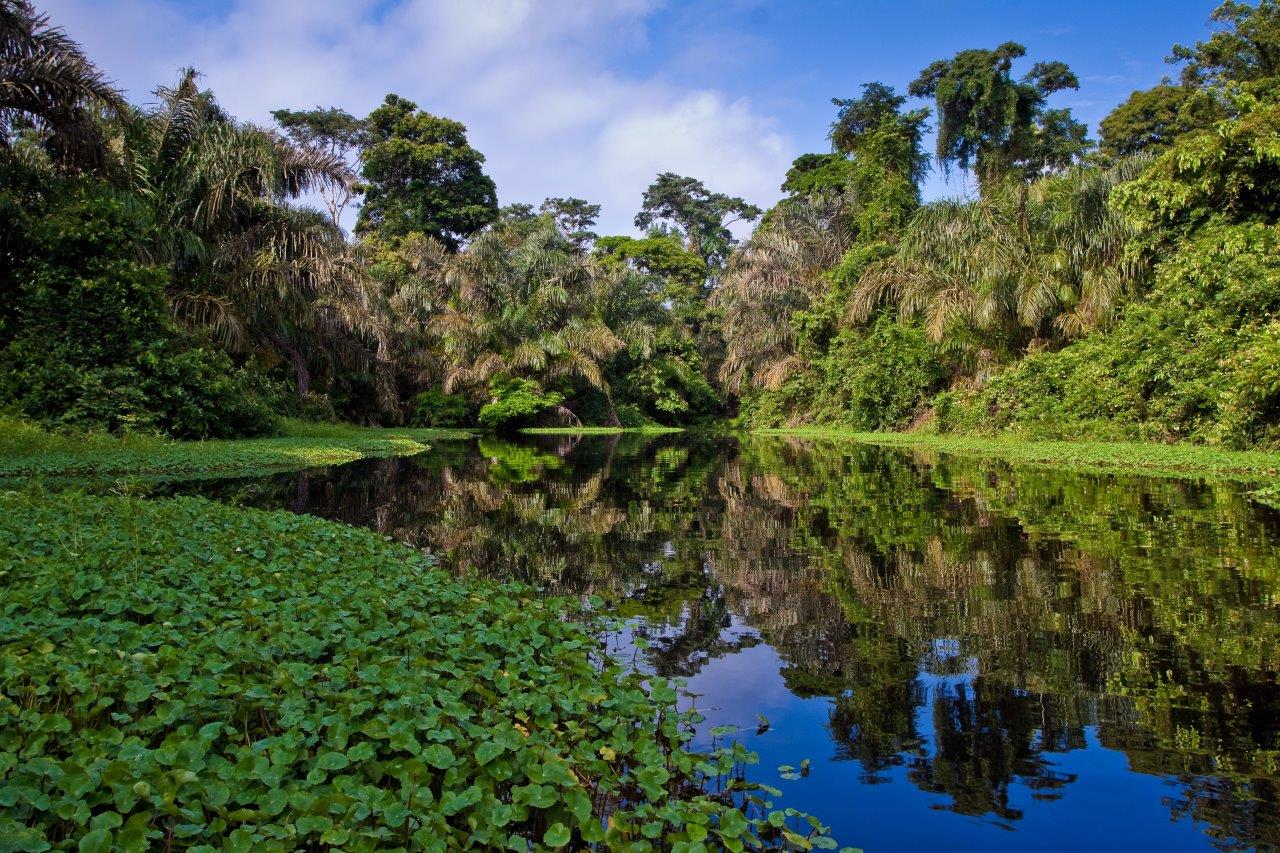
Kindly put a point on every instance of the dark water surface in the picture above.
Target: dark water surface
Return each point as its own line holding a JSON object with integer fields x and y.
{"x": 969, "y": 654}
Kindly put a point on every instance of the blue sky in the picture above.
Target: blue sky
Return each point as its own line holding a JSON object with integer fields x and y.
{"x": 594, "y": 97}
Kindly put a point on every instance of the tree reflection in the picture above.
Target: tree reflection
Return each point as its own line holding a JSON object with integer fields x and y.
{"x": 969, "y": 621}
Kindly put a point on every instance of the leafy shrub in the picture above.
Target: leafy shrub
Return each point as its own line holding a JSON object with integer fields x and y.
{"x": 1187, "y": 362}
{"x": 516, "y": 402}
{"x": 1251, "y": 406}
{"x": 86, "y": 337}
{"x": 666, "y": 384}
{"x": 434, "y": 408}
{"x": 182, "y": 673}
{"x": 876, "y": 378}
{"x": 630, "y": 415}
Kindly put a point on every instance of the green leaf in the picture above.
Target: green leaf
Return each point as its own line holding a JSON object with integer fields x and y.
{"x": 488, "y": 751}
{"x": 557, "y": 835}
{"x": 96, "y": 841}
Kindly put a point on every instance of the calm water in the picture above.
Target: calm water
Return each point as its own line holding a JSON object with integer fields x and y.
{"x": 969, "y": 654}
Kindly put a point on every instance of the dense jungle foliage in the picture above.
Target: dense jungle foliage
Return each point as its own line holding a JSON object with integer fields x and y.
{"x": 162, "y": 274}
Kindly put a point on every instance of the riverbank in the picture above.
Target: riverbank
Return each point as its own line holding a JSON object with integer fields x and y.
{"x": 601, "y": 430}
{"x": 183, "y": 669}
{"x": 1177, "y": 460}
{"x": 28, "y": 451}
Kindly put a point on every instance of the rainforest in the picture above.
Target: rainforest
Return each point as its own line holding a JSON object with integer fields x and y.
{"x": 343, "y": 506}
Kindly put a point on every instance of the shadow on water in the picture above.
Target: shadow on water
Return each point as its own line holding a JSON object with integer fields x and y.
{"x": 969, "y": 653}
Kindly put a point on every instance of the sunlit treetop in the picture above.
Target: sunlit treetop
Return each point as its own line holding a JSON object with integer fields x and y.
{"x": 1245, "y": 50}
{"x": 996, "y": 124}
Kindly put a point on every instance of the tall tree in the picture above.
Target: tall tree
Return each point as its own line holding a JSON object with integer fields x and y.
{"x": 1149, "y": 120}
{"x": 701, "y": 217}
{"x": 889, "y": 161}
{"x": 858, "y": 116}
{"x": 264, "y": 276}
{"x": 575, "y": 217}
{"x": 991, "y": 275}
{"x": 780, "y": 271}
{"x": 334, "y": 131}
{"x": 48, "y": 85}
{"x": 818, "y": 174}
{"x": 997, "y": 125}
{"x": 523, "y": 305}
{"x": 1245, "y": 50}
{"x": 423, "y": 176}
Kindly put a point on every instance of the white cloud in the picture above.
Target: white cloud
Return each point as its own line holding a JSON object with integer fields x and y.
{"x": 542, "y": 86}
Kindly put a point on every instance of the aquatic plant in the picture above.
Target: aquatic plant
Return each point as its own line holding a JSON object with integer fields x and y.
{"x": 181, "y": 673}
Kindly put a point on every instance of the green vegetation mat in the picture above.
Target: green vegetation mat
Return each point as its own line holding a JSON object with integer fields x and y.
{"x": 1147, "y": 458}
{"x": 179, "y": 673}
{"x": 28, "y": 451}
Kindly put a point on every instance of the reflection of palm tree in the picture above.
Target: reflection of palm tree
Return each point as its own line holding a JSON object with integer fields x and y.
{"x": 984, "y": 740}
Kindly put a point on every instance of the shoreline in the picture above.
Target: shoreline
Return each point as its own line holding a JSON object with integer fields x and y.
{"x": 1166, "y": 460}
{"x": 300, "y": 445}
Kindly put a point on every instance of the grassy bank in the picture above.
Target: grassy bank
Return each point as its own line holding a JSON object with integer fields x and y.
{"x": 183, "y": 673}
{"x": 1146, "y": 458}
{"x": 26, "y": 450}
{"x": 601, "y": 430}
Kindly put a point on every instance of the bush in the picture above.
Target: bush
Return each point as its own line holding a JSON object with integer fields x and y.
{"x": 1251, "y": 406}
{"x": 182, "y": 673}
{"x": 515, "y": 403}
{"x": 434, "y": 408}
{"x": 1190, "y": 361}
{"x": 86, "y": 337}
{"x": 876, "y": 378}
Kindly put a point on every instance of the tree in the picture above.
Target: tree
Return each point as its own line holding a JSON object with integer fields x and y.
{"x": 48, "y": 85}
{"x": 1150, "y": 120}
{"x": 574, "y": 217}
{"x": 989, "y": 276}
{"x": 996, "y": 125}
{"x": 818, "y": 174}
{"x": 517, "y": 212}
{"x": 699, "y": 216}
{"x": 423, "y": 176}
{"x": 524, "y": 305}
{"x": 889, "y": 160}
{"x": 1245, "y": 50}
{"x": 681, "y": 271}
{"x": 858, "y": 116}
{"x": 87, "y": 339}
{"x": 331, "y": 130}
{"x": 780, "y": 271}
{"x": 265, "y": 277}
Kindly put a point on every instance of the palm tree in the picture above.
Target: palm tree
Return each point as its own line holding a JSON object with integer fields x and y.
{"x": 779, "y": 271}
{"x": 1021, "y": 264}
{"x": 48, "y": 86}
{"x": 265, "y": 277}
{"x": 522, "y": 303}
{"x": 1091, "y": 271}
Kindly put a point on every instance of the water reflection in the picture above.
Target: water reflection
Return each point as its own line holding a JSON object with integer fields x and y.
{"x": 961, "y": 648}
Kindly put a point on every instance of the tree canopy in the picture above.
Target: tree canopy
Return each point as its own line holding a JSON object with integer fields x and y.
{"x": 423, "y": 176}
{"x": 701, "y": 217}
{"x": 997, "y": 125}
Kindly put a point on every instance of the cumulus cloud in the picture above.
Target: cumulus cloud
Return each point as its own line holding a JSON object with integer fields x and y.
{"x": 542, "y": 86}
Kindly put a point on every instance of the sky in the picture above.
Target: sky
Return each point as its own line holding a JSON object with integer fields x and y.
{"x": 593, "y": 98}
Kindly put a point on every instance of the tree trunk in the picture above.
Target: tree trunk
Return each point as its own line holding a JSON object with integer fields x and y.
{"x": 567, "y": 416}
{"x": 300, "y": 371}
